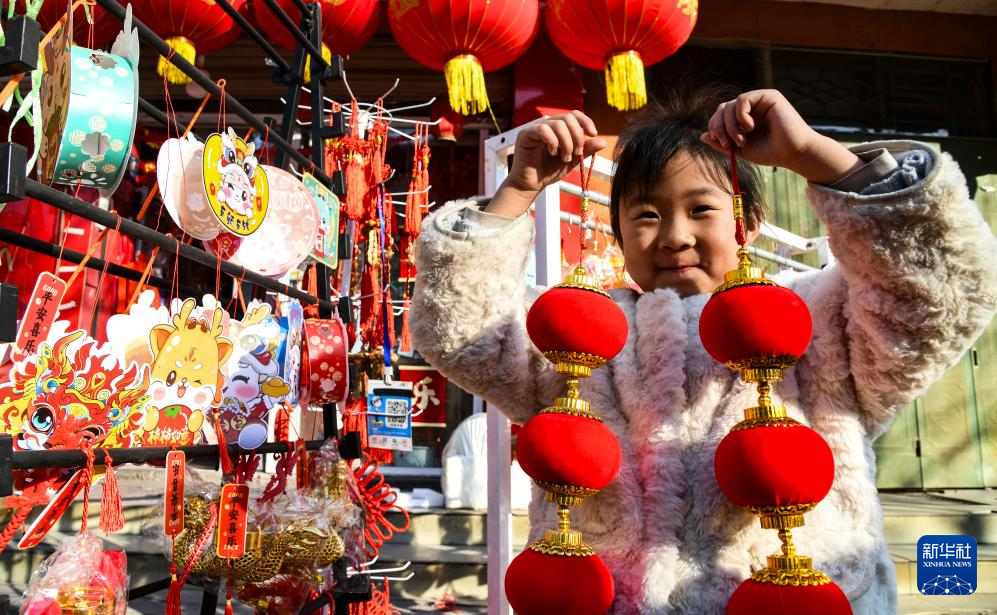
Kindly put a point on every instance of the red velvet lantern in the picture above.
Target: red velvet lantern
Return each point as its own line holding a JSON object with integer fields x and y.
{"x": 464, "y": 40}
{"x": 620, "y": 37}
{"x": 564, "y": 449}
{"x": 763, "y": 467}
{"x": 755, "y": 325}
{"x": 189, "y": 27}
{"x": 105, "y": 27}
{"x": 560, "y": 314}
{"x": 755, "y": 597}
{"x": 540, "y": 584}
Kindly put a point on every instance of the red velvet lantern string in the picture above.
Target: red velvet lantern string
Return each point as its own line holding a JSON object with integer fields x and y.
{"x": 465, "y": 40}
{"x": 567, "y": 450}
{"x": 769, "y": 464}
{"x": 620, "y": 37}
{"x": 189, "y": 28}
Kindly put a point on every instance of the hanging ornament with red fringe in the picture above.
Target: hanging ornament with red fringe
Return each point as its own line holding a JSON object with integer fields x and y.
{"x": 769, "y": 463}
{"x": 568, "y": 450}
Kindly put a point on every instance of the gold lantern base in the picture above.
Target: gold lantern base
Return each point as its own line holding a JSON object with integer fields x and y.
{"x": 789, "y": 568}
{"x": 563, "y": 540}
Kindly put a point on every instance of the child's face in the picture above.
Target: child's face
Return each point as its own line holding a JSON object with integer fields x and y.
{"x": 681, "y": 236}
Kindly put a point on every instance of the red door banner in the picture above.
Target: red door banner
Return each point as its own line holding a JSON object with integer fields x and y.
{"x": 429, "y": 395}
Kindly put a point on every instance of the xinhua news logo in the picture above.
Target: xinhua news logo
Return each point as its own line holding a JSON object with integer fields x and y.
{"x": 946, "y": 565}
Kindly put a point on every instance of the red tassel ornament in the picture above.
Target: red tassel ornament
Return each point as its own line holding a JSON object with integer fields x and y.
{"x": 112, "y": 517}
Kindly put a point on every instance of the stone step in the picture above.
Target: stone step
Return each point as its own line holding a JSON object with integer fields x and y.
{"x": 439, "y": 526}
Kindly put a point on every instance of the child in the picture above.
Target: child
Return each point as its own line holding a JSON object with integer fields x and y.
{"x": 913, "y": 286}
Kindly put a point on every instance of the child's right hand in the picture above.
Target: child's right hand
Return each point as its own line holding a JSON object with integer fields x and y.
{"x": 545, "y": 152}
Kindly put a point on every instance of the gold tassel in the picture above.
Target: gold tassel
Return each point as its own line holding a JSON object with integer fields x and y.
{"x": 466, "y": 85}
{"x": 185, "y": 49}
{"x": 326, "y": 55}
{"x": 625, "y": 81}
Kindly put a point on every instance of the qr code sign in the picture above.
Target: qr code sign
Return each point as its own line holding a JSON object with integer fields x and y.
{"x": 396, "y": 412}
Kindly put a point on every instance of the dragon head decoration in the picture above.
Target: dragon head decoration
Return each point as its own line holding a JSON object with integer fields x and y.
{"x": 58, "y": 398}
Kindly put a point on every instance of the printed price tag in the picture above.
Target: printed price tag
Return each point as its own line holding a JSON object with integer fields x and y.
{"x": 233, "y": 509}
{"x": 173, "y": 502}
{"x": 40, "y": 314}
{"x": 389, "y": 415}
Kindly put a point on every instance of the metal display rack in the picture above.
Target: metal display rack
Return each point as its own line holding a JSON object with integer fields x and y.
{"x": 20, "y": 55}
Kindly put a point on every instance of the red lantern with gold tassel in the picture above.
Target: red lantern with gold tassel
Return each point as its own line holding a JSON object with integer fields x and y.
{"x": 346, "y": 26}
{"x": 189, "y": 27}
{"x": 769, "y": 463}
{"x": 567, "y": 449}
{"x": 620, "y": 37}
{"x": 464, "y": 40}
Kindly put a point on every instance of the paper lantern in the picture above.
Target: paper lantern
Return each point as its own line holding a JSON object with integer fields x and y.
{"x": 189, "y": 28}
{"x": 577, "y": 322}
{"x": 620, "y": 37}
{"x": 464, "y": 40}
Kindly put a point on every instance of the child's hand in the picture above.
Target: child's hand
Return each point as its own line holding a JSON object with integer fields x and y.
{"x": 769, "y": 131}
{"x": 545, "y": 152}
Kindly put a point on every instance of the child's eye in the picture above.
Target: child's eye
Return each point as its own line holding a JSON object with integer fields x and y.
{"x": 647, "y": 215}
{"x": 702, "y": 209}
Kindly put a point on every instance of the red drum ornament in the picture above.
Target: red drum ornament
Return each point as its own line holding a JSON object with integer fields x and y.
{"x": 325, "y": 374}
{"x": 568, "y": 451}
{"x": 189, "y": 28}
{"x": 620, "y": 37}
{"x": 464, "y": 40}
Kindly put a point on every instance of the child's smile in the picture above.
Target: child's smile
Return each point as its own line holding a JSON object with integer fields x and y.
{"x": 681, "y": 235}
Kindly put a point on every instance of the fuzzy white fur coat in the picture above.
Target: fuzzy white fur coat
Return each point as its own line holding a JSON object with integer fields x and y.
{"x": 913, "y": 286}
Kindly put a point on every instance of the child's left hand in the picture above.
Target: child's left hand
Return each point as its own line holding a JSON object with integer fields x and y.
{"x": 769, "y": 131}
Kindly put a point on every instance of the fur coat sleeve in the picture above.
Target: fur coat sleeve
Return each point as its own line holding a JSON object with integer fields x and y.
{"x": 914, "y": 285}
{"x": 469, "y": 310}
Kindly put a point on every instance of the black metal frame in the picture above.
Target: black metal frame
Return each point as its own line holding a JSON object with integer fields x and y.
{"x": 19, "y": 55}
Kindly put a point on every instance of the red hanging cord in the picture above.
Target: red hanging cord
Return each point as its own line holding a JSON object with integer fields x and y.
{"x": 586, "y": 180}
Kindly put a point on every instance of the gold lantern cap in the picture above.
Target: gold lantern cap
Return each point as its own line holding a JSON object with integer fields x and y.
{"x": 746, "y": 274}
{"x": 582, "y": 280}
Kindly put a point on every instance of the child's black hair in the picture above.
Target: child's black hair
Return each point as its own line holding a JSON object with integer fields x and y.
{"x": 665, "y": 129}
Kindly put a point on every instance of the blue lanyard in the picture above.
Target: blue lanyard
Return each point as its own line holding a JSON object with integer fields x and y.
{"x": 385, "y": 282}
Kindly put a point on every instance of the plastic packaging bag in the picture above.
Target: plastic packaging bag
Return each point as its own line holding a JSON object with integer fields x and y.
{"x": 80, "y": 577}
